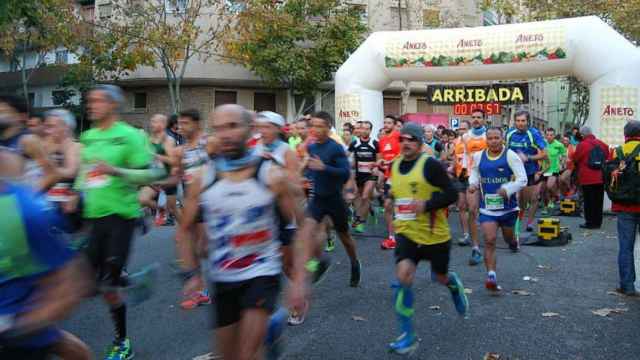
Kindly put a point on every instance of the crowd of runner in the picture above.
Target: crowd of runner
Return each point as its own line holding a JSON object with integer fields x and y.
{"x": 253, "y": 198}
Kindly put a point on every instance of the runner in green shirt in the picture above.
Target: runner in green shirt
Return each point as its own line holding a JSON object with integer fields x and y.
{"x": 110, "y": 202}
{"x": 557, "y": 154}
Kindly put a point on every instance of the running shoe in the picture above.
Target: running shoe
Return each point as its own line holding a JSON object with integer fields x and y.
{"x": 491, "y": 284}
{"x": 388, "y": 243}
{"x": 195, "y": 300}
{"x": 120, "y": 351}
{"x": 297, "y": 318}
{"x": 476, "y": 257}
{"x": 318, "y": 269}
{"x": 515, "y": 245}
{"x": 457, "y": 294}
{"x": 464, "y": 240}
{"x": 529, "y": 228}
{"x": 356, "y": 269}
{"x": 331, "y": 244}
{"x": 274, "y": 341}
{"x": 404, "y": 344}
{"x": 359, "y": 228}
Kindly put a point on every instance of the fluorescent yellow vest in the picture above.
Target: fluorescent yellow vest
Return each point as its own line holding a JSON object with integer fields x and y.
{"x": 428, "y": 228}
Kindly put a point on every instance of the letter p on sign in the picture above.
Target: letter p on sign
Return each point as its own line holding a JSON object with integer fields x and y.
{"x": 455, "y": 122}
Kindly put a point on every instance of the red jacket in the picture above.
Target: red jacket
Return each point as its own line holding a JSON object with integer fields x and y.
{"x": 587, "y": 175}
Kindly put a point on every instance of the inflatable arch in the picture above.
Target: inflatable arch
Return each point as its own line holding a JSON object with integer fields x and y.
{"x": 585, "y": 47}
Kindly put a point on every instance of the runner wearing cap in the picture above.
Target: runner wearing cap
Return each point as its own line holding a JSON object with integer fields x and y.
{"x": 421, "y": 191}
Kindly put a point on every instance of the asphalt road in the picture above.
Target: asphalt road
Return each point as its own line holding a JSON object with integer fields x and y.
{"x": 347, "y": 323}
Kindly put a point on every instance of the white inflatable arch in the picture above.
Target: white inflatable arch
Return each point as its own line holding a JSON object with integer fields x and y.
{"x": 585, "y": 47}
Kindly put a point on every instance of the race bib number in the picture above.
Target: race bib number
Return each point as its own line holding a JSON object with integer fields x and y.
{"x": 405, "y": 209}
{"x": 365, "y": 167}
{"x": 60, "y": 193}
{"x": 190, "y": 174}
{"x": 96, "y": 179}
{"x": 493, "y": 202}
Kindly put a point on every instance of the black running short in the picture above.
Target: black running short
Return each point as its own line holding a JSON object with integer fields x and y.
{"x": 362, "y": 178}
{"x": 233, "y": 298}
{"x": 531, "y": 180}
{"x": 332, "y": 206}
{"x": 437, "y": 254}
{"x": 170, "y": 190}
{"x": 286, "y": 236}
{"x": 461, "y": 184}
{"x": 109, "y": 245}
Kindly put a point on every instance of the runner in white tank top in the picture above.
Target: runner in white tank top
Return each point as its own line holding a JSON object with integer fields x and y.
{"x": 240, "y": 194}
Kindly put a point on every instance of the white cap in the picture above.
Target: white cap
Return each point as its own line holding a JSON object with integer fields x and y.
{"x": 270, "y": 117}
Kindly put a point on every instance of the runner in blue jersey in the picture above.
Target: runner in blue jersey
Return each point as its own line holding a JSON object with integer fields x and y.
{"x": 41, "y": 280}
{"x": 530, "y": 146}
{"x": 498, "y": 173}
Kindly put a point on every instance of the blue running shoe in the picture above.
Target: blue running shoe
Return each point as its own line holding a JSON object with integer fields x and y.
{"x": 120, "y": 351}
{"x": 274, "y": 341}
{"x": 457, "y": 294}
{"x": 404, "y": 344}
{"x": 476, "y": 257}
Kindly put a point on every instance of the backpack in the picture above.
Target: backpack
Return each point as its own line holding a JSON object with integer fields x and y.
{"x": 622, "y": 177}
{"x": 597, "y": 158}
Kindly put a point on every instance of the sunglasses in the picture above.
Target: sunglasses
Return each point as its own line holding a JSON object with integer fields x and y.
{"x": 476, "y": 117}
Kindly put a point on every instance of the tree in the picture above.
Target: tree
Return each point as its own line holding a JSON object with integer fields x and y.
{"x": 297, "y": 44}
{"x": 30, "y": 27}
{"x": 619, "y": 14}
{"x": 171, "y": 33}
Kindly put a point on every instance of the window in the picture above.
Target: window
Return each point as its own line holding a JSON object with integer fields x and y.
{"x": 105, "y": 10}
{"x": 87, "y": 13}
{"x": 264, "y": 101}
{"x": 58, "y": 97}
{"x": 225, "y": 97}
{"x": 140, "y": 101}
{"x": 62, "y": 57}
{"x": 391, "y": 106}
{"x": 361, "y": 9}
{"x": 175, "y": 6}
{"x": 431, "y": 18}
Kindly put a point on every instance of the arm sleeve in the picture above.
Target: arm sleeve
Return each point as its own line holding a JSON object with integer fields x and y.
{"x": 474, "y": 177}
{"x": 437, "y": 176}
{"x": 142, "y": 176}
{"x": 517, "y": 166}
{"x": 341, "y": 168}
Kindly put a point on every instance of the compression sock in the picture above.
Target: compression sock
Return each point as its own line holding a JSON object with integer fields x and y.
{"x": 119, "y": 316}
{"x": 403, "y": 305}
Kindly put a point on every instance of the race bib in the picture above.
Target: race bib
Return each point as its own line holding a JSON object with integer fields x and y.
{"x": 405, "y": 209}
{"x": 190, "y": 174}
{"x": 493, "y": 202}
{"x": 96, "y": 179}
{"x": 365, "y": 167}
{"x": 60, "y": 193}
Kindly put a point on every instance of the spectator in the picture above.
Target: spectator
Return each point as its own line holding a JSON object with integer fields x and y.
{"x": 628, "y": 220}
{"x": 590, "y": 179}
{"x": 575, "y": 136}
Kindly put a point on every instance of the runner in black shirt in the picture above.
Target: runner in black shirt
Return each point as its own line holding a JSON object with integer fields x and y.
{"x": 365, "y": 154}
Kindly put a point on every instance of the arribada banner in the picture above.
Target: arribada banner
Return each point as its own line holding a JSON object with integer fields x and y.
{"x": 505, "y": 94}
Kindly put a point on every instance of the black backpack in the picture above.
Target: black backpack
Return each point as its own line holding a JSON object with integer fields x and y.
{"x": 597, "y": 158}
{"x": 622, "y": 177}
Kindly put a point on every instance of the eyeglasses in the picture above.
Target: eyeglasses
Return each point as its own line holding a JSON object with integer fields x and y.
{"x": 476, "y": 117}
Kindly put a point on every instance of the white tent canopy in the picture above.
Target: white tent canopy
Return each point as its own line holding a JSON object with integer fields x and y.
{"x": 585, "y": 47}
